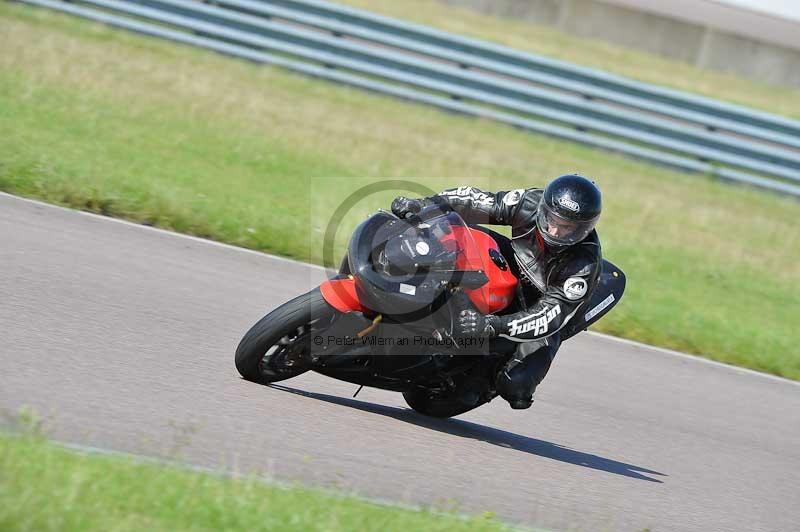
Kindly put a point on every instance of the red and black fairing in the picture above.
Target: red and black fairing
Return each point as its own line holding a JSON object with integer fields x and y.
{"x": 401, "y": 268}
{"x": 386, "y": 273}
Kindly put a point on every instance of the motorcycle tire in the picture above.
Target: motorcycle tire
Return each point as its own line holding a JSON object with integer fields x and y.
{"x": 287, "y": 327}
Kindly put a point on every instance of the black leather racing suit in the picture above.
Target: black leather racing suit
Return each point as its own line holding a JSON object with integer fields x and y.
{"x": 555, "y": 282}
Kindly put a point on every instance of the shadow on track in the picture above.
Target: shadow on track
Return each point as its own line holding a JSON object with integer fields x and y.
{"x": 502, "y": 438}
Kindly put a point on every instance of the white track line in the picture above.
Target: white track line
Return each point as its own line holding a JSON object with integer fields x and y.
{"x": 694, "y": 358}
{"x": 160, "y": 231}
{"x": 632, "y": 343}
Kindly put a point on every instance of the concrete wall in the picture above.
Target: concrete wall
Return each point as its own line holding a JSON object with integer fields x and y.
{"x": 701, "y": 32}
{"x": 750, "y": 58}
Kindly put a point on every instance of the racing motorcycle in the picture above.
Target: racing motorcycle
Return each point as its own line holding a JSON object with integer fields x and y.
{"x": 387, "y": 319}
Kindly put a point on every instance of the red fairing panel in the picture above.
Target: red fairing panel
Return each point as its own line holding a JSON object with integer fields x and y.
{"x": 341, "y": 295}
{"x": 500, "y": 291}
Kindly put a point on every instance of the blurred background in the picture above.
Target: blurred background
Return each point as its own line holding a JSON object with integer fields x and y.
{"x": 750, "y": 38}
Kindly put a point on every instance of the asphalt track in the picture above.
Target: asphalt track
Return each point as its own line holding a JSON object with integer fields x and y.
{"x": 122, "y": 337}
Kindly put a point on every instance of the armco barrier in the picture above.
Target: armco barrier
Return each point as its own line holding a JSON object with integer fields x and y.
{"x": 473, "y": 77}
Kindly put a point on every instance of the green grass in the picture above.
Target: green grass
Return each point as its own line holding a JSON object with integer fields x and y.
{"x": 46, "y": 487}
{"x": 115, "y": 123}
{"x": 628, "y": 62}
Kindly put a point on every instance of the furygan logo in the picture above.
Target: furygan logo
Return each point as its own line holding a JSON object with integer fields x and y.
{"x": 538, "y": 323}
{"x": 569, "y": 204}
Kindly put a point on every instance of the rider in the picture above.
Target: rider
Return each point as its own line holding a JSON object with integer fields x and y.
{"x": 557, "y": 256}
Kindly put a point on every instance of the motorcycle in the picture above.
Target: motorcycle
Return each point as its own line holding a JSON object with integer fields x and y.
{"x": 387, "y": 319}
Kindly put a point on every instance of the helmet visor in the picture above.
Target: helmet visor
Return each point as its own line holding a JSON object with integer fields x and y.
{"x": 560, "y": 231}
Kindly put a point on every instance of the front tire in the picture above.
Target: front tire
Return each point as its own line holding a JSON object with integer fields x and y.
{"x": 278, "y": 346}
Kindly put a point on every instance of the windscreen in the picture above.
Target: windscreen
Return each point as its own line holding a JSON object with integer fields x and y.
{"x": 438, "y": 242}
{"x": 455, "y": 236}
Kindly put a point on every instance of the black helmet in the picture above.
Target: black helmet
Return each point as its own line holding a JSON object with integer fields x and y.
{"x": 569, "y": 210}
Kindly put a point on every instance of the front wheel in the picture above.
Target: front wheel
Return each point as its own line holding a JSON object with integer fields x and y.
{"x": 278, "y": 346}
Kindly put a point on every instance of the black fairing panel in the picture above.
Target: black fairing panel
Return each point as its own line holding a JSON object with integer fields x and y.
{"x": 380, "y": 292}
{"x": 378, "y": 361}
{"x": 606, "y": 295}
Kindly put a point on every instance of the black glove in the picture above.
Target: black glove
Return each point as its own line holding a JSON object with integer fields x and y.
{"x": 473, "y": 324}
{"x": 402, "y": 206}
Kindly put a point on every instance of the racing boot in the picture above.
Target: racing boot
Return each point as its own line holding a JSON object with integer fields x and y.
{"x": 518, "y": 379}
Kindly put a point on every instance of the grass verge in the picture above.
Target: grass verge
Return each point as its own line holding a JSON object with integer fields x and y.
{"x": 161, "y": 134}
{"x": 651, "y": 68}
{"x": 46, "y": 487}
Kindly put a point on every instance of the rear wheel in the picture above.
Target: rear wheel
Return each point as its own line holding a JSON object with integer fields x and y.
{"x": 278, "y": 346}
{"x": 450, "y": 405}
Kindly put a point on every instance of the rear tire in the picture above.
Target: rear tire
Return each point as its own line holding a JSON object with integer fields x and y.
{"x": 288, "y": 330}
{"x": 441, "y": 407}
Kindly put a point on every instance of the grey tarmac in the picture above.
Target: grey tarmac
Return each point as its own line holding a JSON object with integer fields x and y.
{"x": 122, "y": 337}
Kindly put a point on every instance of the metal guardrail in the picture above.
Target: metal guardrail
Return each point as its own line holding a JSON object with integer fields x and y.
{"x": 561, "y": 69}
{"x": 473, "y": 77}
